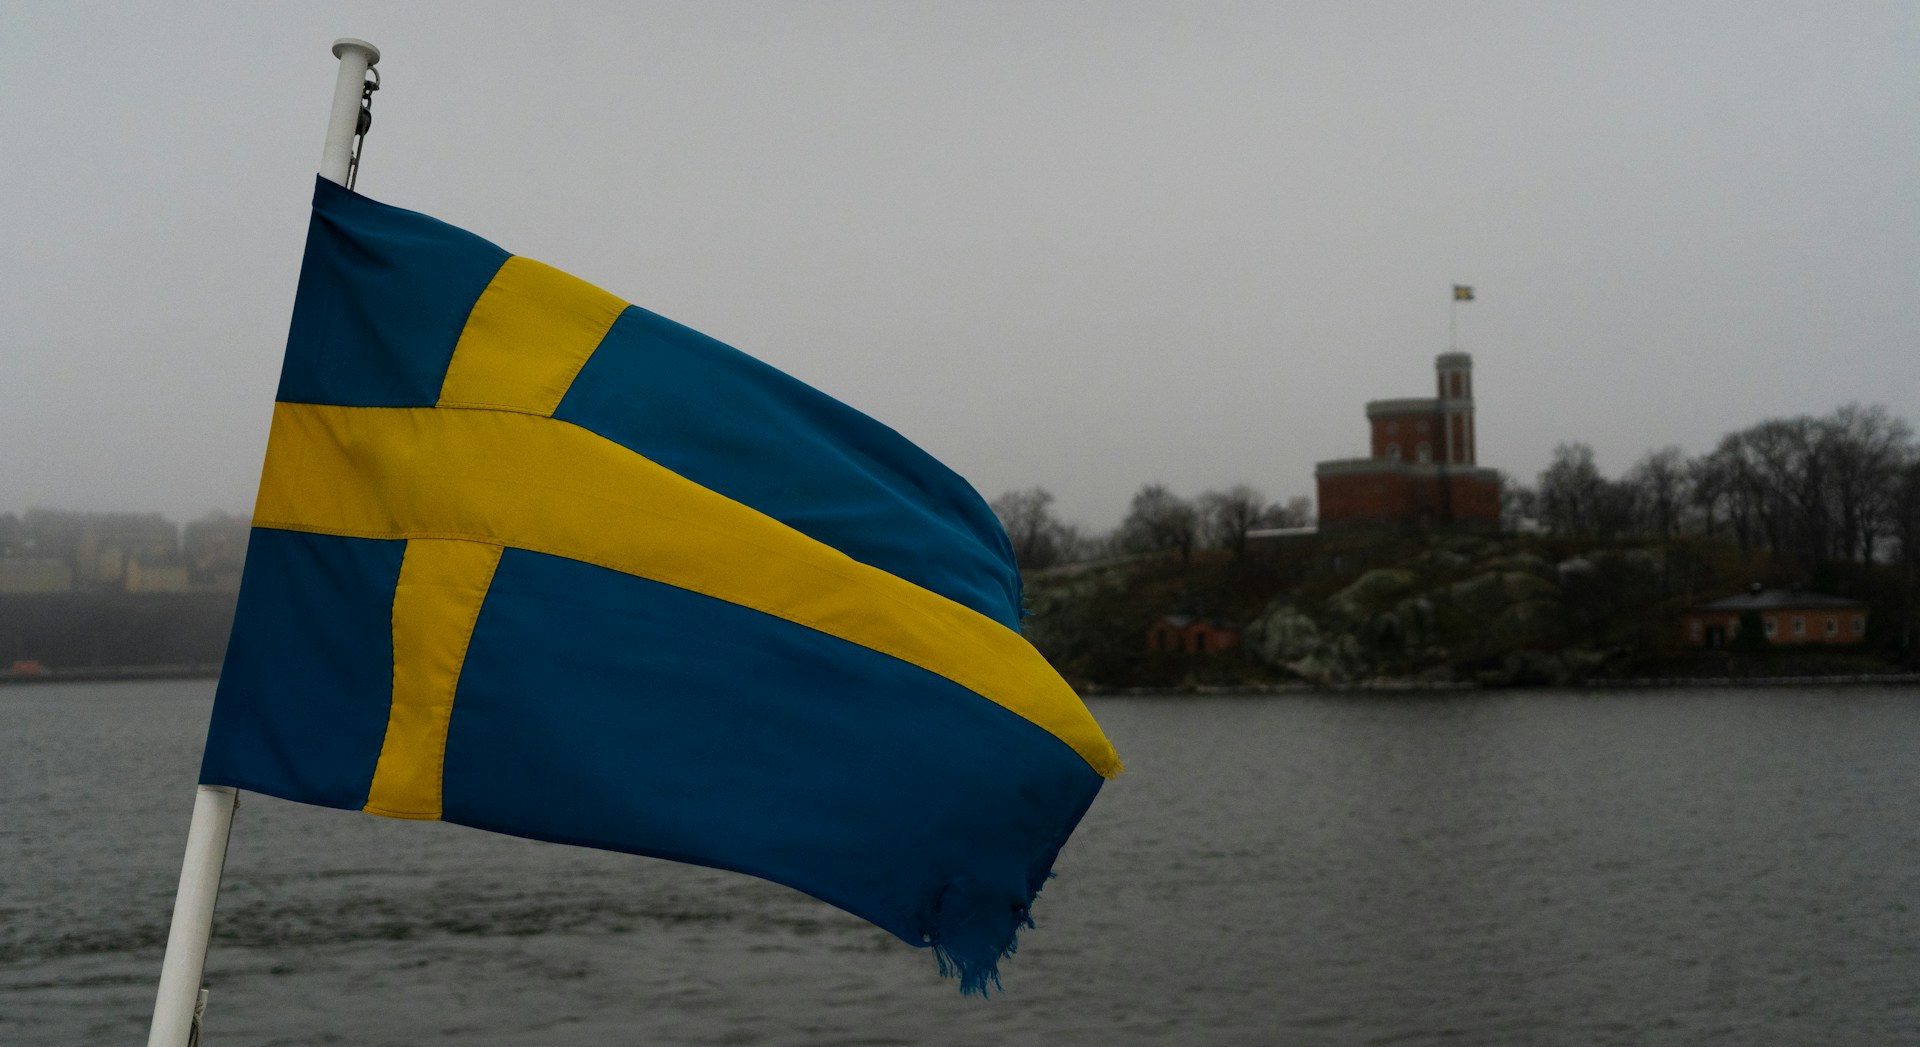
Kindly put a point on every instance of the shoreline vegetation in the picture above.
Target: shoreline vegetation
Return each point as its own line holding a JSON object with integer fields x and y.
{"x": 1587, "y": 580}
{"x": 1447, "y": 611}
{"x": 132, "y": 673}
{"x": 1295, "y": 611}
{"x": 1380, "y": 613}
{"x": 1396, "y": 687}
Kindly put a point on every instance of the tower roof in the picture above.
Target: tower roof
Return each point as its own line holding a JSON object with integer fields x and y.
{"x": 1407, "y": 405}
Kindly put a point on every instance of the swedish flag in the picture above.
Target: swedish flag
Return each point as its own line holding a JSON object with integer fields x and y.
{"x": 1462, "y": 293}
{"x": 534, "y": 560}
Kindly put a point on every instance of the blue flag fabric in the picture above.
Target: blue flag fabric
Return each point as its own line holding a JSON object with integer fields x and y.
{"x": 534, "y": 560}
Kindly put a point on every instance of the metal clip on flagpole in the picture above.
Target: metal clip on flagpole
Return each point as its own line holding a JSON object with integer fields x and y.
{"x": 350, "y": 93}
{"x": 181, "y": 1001}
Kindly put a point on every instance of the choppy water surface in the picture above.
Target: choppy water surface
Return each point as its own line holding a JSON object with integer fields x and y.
{"x": 1581, "y": 869}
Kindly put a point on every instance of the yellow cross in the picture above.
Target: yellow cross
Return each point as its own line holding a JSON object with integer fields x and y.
{"x": 490, "y": 468}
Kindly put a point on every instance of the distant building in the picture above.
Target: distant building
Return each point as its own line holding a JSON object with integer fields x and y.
{"x": 157, "y": 578}
{"x": 1185, "y": 634}
{"x": 1787, "y": 616}
{"x": 215, "y": 547}
{"x": 35, "y": 574}
{"x": 1421, "y": 471}
{"x": 104, "y": 545}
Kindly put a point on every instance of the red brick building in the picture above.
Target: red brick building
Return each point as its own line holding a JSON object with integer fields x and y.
{"x": 1786, "y": 616}
{"x": 1179, "y": 633}
{"x": 1421, "y": 470}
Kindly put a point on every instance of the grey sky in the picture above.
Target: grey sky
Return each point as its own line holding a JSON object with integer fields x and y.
{"x": 1084, "y": 246}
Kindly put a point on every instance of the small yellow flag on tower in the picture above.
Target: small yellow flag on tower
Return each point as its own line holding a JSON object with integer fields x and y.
{"x": 1462, "y": 293}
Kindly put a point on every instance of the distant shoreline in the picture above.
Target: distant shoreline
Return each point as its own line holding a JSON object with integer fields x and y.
{"x": 114, "y": 672}
{"x": 1851, "y": 679}
{"x": 211, "y": 672}
{"x": 1415, "y": 687}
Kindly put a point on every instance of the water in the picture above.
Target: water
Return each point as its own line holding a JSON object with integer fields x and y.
{"x": 1530, "y": 869}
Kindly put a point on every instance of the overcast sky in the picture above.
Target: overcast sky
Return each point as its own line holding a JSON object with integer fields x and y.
{"x": 1082, "y": 246}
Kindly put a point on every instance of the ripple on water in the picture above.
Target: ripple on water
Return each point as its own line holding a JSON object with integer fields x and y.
{"x": 1664, "y": 868}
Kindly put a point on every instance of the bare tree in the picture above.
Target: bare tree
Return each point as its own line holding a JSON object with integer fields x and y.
{"x": 1160, "y": 520}
{"x": 1226, "y": 516}
{"x": 1808, "y": 486}
{"x": 1039, "y": 540}
{"x": 1570, "y": 492}
{"x": 1770, "y": 463}
{"x": 1868, "y": 445}
{"x": 1820, "y": 488}
{"x": 1297, "y": 512}
{"x": 1752, "y": 509}
{"x": 1710, "y": 494}
{"x": 1616, "y": 505}
{"x": 1660, "y": 484}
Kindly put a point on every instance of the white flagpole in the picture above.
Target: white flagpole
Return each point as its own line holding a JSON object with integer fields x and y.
{"x": 178, "y": 1001}
{"x": 356, "y": 57}
{"x": 177, "y": 1006}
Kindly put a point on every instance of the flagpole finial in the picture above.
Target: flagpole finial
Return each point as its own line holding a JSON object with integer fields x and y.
{"x": 356, "y": 57}
{"x": 348, "y": 43}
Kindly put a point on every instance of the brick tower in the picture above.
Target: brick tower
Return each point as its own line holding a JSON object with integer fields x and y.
{"x": 1421, "y": 472}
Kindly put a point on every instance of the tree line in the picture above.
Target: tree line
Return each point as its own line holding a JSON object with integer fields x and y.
{"x": 1844, "y": 487}
{"x": 1157, "y": 520}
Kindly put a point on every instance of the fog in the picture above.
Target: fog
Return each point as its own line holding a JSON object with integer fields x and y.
{"x": 1077, "y": 245}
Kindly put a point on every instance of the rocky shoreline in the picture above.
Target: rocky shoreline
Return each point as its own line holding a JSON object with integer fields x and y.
{"x": 1265, "y": 690}
{"x": 1442, "y": 612}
